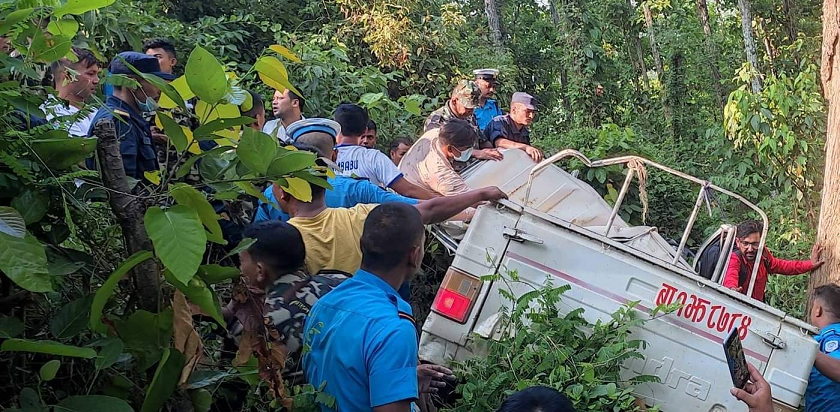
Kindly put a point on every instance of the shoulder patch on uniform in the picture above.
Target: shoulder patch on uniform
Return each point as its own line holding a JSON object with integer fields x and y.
{"x": 121, "y": 112}
{"x": 831, "y": 346}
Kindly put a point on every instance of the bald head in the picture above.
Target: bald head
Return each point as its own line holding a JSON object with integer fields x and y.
{"x": 323, "y": 142}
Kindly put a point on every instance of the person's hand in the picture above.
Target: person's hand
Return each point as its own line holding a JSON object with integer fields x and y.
{"x": 158, "y": 136}
{"x": 816, "y": 255}
{"x": 431, "y": 377}
{"x": 756, "y": 394}
{"x": 535, "y": 153}
{"x": 487, "y": 154}
{"x": 492, "y": 193}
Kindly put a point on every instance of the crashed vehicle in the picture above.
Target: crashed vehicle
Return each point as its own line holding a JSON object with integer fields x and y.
{"x": 556, "y": 227}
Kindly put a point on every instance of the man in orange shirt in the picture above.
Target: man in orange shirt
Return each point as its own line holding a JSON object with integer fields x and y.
{"x": 739, "y": 271}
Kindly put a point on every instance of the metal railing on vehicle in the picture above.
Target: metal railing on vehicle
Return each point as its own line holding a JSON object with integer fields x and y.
{"x": 704, "y": 186}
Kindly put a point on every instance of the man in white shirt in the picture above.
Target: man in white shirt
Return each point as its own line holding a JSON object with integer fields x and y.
{"x": 74, "y": 83}
{"x": 358, "y": 161}
{"x": 287, "y": 107}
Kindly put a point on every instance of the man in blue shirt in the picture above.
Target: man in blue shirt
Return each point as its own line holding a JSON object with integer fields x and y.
{"x": 488, "y": 109}
{"x": 362, "y": 336}
{"x": 346, "y": 191}
{"x": 823, "y": 394}
{"x": 122, "y": 115}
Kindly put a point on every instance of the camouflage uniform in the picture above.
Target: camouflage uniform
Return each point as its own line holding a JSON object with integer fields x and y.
{"x": 289, "y": 300}
{"x": 468, "y": 94}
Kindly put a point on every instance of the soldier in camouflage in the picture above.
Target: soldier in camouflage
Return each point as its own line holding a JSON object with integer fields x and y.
{"x": 463, "y": 100}
{"x": 273, "y": 268}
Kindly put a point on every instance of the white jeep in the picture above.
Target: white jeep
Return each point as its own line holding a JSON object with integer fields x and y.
{"x": 554, "y": 226}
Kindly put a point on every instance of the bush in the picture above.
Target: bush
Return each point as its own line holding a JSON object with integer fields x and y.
{"x": 539, "y": 345}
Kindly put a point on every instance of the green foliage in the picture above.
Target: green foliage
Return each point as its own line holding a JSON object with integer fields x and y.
{"x": 165, "y": 380}
{"x": 179, "y": 239}
{"x": 536, "y": 344}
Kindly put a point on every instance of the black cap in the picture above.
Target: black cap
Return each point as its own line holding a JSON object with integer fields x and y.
{"x": 143, "y": 63}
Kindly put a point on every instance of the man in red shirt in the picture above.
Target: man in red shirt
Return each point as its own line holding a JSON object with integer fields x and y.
{"x": 739, "y": 271}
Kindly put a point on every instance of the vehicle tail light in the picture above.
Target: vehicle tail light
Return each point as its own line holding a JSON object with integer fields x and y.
{"x": 457, "y": 295}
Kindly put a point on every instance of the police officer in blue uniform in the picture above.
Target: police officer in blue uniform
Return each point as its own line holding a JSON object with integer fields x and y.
{"x": 362, "y": 336}
{"x": 488, "y": 109}
{"x": 122, "y": 115}
{"x": 823, "y": 394}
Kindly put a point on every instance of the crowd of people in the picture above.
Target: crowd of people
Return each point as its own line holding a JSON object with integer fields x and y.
{"x": 336, "y": 270}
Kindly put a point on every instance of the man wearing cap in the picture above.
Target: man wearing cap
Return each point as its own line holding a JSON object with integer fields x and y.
{"x": 319, "y": 135}
{"x": 461, "y": 105}
{"x": 488, "y": 108}
{"x": 510, "y": 131}
{"x": 122, "y": 116}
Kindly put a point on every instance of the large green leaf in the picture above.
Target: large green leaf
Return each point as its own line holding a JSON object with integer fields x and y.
{"x": 78, "y": 7}
{"x": 25, "y": 262}
{"x": 49, "y": 49}
{"x": 202, "y": 400}
{"x": 10, "y": 327}
{"x": 173, "y": 131}
{"x": 205, "y": 76}
{"x": 208, "y": 129}
{"x": 187, "y": 195}
{"x": 290, "y": 161}
{"x": 62, "y": 153}
{"x": 11, "y": 222}
{"x": 49, "y": 370}
{"x": 47, "y": 347}
{"x": 71, "y": 319}
{"x": 110, "y": 352}
{"x": 90, "y": 403}
{"x": 145, "y": 335}
{"x": 104, "y": 293}
{"x": 65, "y": 27}
{"x": 13, "y": 18}
{"x": 274, "y": 74}
{"x": 32, "y": 204}
{"x": 161, "y": 84}
{"x": 213, "y": 274}
{"x": 187, "y": 166}
{"x": 179, "y": 239}
{"x": 200, "y": 294}
{"x": 256, "y": 150}
{"x": 165, "y": 380}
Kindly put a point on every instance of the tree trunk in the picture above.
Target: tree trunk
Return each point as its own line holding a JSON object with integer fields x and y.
{"x": 654, "y": 49}
{"x": 555, "y": 18}
{"x": 711, "y": 51}
{"x": 637, "y": 45}
{"x": 749, "y": 42}
{"x": 129, "y": 211}
{"x": 492, "y": 9}
{"x": 791, "y": 17}
{"x": 829, "y": 225}
{"x": 657, "y": 59}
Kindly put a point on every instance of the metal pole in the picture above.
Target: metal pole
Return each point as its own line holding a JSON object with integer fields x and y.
{"x": 691, "y": 221}
{"x": 624, "y": 188}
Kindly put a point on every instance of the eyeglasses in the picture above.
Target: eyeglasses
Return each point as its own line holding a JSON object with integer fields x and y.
{"x": 750, "y": 245}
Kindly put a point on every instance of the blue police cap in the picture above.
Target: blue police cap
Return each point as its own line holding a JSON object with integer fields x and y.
{"x": 143, "y": 63}
{"x": 524, "y": 98}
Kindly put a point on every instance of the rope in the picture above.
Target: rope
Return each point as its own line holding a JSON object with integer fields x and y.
{"x": 641, "y": 174}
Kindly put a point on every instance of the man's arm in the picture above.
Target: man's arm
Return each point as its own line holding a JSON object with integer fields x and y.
{"x": 828, "y": 366}
{"x": 402, "y": 186}
{"x": 365, "y": 192}
{"x": 536, "y": 154}
{"x": 730, "y": 279}
{"x": 798, "y": 267}
{"x": 442, "y": 208}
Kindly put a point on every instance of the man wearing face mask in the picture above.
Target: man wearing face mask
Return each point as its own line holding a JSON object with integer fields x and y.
{"x": 123, "y": 113}
{"x": 430, "y": 162}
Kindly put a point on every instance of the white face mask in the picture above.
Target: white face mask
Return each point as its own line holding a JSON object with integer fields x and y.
{"x": 465, "y": 155}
